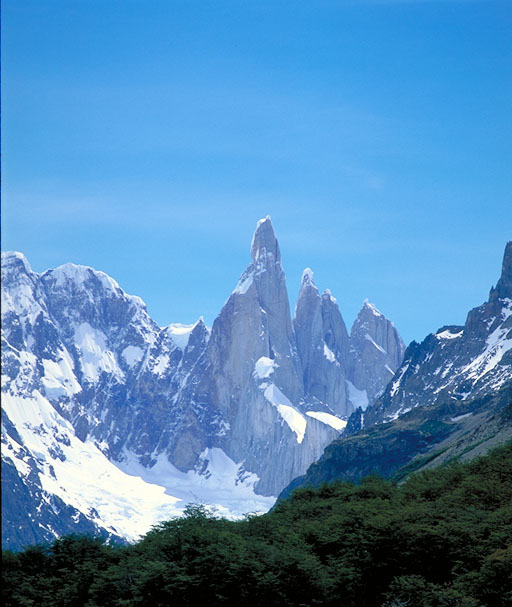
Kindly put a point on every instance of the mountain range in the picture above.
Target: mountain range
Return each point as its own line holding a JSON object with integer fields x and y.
{"x": 451, "y": 398}
{"x": 111, "y": 423}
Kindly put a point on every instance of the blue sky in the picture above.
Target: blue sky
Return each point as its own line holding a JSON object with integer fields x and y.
{"x": 145, "y": 138}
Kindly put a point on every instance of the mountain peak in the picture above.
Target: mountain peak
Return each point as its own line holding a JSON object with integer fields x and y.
{"x": 15, "y": 258}
{"x": 307, "y": 278}
{"x": 504, "y": 287}
{"x": 327, "y": 296}
{"x": 368, "y": 307}
{"x": 264, "y": 242}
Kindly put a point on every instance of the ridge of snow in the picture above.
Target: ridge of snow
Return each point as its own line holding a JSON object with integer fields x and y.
{"x": 328, "y": 419}
{"x": 374, "y": 343}
{"x": 180, "y": 333}
{"x": 79, "y": 274}
{"x": 295, "y": 420}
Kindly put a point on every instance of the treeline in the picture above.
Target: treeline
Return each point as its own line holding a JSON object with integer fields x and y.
{"x": 442, "y": 539}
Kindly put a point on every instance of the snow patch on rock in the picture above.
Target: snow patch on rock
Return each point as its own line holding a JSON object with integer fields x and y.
{"x": 329, "y": 354}
{"x": 295, "y": 420}
{"x": 132, "y": 355}
{"x": 264, "y": 367}
{"x": 95, "y": 357}
{"x": 180, "y": 333}
{"x": 327, "y": 418}
{"x": 359, "y": 398}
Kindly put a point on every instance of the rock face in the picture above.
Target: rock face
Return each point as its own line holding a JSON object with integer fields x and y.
{"x": 323, "y": 346}
{"x": 227, "y": 416}
{"x": 456, "y": 363}
{"x": 377, "y": 350}
{"x": 425, "y": 437}
{"x": 450, "y": 398}
{"x": 87, "y": 379}
{"x": 252, "y": 382}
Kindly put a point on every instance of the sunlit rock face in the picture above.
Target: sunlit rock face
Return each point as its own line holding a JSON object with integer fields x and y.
{"x": 377, "y": 351}
{"x": 253, "y": 383}
{"x": 323, "y": 345}
{"x": 226, "y": 415}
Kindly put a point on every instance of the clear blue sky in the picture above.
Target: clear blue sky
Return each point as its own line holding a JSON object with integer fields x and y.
{"x": 146, "y": 137}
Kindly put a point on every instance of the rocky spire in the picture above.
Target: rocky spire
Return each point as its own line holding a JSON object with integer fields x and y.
{"x": 322, "y": 343}
{"x": 378, "y": 351}
{"x": 265, "y": 272}
{"x": 253, "y": 372}
{"x": 334, "y": 329}
{"x": 264, "y": 245}
{"x": 503, "y": 288}
{"x": 307, "y": 324}
{"x": 257, "y": 315}
{"x": 373, "y": 327}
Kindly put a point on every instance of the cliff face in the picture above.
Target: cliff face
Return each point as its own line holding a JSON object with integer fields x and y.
{"x": 451, "y": 397}
{"x": 456, "y": 363}
{"x": 378, "y": 351}
{"x": 421, "y": 439}
{"x": 227, "y": 416}
{"x": 252, "y": 380}
{"x": 323, "y": 346}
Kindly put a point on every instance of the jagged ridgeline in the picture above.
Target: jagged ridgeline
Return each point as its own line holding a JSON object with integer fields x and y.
{"x": 112, "y": 423}
{"x": 450, "y": 398}
{"x": 443, "y": 538}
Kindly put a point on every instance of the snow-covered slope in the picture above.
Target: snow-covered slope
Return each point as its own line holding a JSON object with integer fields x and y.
{"x": 111, "y": 423}
{"x": 88, "y": 382}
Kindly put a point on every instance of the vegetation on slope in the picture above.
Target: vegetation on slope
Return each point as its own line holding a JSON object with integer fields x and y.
{"x": 443, "y": 538}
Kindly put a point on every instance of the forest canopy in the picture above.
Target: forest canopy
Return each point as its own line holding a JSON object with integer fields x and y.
{"x": 442, "y": 538}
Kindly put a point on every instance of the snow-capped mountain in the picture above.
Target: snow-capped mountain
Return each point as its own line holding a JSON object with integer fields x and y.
{"x": 451, "y": 398}
{"x": 457, "y": 362}
{"x": 112, "y": 423}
